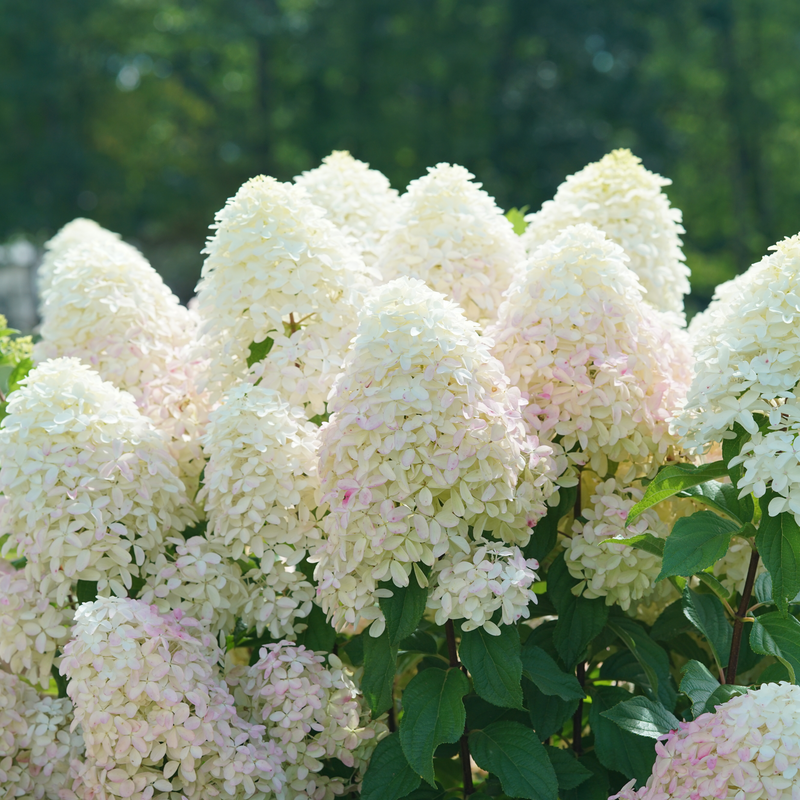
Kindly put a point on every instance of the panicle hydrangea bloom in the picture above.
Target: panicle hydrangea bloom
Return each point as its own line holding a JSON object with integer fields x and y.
{"x": 77, "y": 233}
{"x": 312, "y": 711}
{"x": 599, "y": 369}
{"x": 357, "y": 199}
{"x": 598, "y": 556}
{"x": 472, "y": 586}
{"x": 278, "y": 270}
{"x": 36, "y": 744}
{"x": 88, "y": 486}
{"x": 157, "y": 716}
{"x": 748, "y": 749}
{"x": 624, "y": 200}
{"x": 451, "y": 234}
{"x": 31, "y": 628}
{"x": 732, "y": 568}
{"x": 107, "y": 306}
{"x": 426, "y": 441}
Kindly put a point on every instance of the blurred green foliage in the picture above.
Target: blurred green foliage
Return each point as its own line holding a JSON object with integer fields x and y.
{"x": 147, "y": 114}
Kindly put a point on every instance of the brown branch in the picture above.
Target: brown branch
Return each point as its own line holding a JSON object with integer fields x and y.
{"x": 466, "y": 759}
{"x": 738, "y": 625}
{"x": 577, "y": 717}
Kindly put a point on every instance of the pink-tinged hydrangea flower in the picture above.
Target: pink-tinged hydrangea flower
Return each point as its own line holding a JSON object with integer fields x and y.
{"x": 624, "y": 200}
{"x": 312, "y": 711}
{"x": 598, "y": 556}
{"x": 89, "y": 488}
{"x": 451, "y": 234}
{"x": 472, "y": 585}
{"x": 156, "y": 714}
{"x": 748, "y": 749}
{"x": 357, "y": 199}
{"x": 36, "y": 744}
{"x": 601, "y": 371}
{"x": 199, "y": 577}
{"x": 107, "y": 306}
{"x": 31, "y": 628}
{"x": 426, "y": 442}
{"x": 278, "y": 270}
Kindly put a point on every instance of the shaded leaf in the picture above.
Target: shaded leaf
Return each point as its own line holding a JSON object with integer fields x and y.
{"x": 722, "y": 694}
{"x": 723, "y": 497}
{"x": 779, "y": 636}
{"x": 404, "y": 609}
{"x": 389, "y": 776}
{"x": 548, "y": 676}
{"x": 259, "y": 351}
{"x": 86, "y": 591}
{"x": 379, "y": 667}
{"x": 495, "y": 664}
{"x": 778, "y": 544}
{"x": 545, "y": 533}
{"x": 696, "y": 542}
{"x": 698, "y": 684}
{"x": 547, "y": 713}
{"x": 570, "y": 773}
{"x": 595, "y": 788}
{"x": 480, "y": 713}
{"x": 319, "y": 634}
{"x": 707, "y": 614}
{"x": 643, "y": 717}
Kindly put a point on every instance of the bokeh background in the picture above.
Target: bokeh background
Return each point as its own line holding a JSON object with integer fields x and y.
{"x": 147, "y": 115}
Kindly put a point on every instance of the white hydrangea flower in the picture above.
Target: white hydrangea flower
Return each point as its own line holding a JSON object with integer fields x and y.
{"x": 199, "y": 577}
{"x": 426, "y": 442}
{"x": 624, "y": 200}
{"x": 357, "y": 199}
{"x": 278, "y": 270}
{"x": 106, "y": 305}
{"x": 598, "y": 556}
{"x": 490, "y": 577}
{"x": 31, "y": 628}
{"x": 601, "y": 371}
{"x": 88, "y": 487}
{"x": 156, "y": 714}
{"x": 36, "y": 744}
{"x": 732, "y": 568}
{"x": 747, "y": 748}
{"x": 312, "y": 711}
{"x": 451, "y": 234}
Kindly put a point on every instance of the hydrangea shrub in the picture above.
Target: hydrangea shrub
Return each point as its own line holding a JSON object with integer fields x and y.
{"x": 411, "y": 504}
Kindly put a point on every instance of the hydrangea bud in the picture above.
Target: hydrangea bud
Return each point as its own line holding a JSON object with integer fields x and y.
{"x": 426, "y": 443}
{"x": 597, "y": 366}
{"x": 157, "y": 716}
{"x": 312, "y": 711}
{"x": 748, "y": 748}
{"x": 624, "y": 200}
{"x": 89, "y": 488}
{"x": 598, "y": 556}
{"x": 280, "y": 277}
{"x": 452, "y": 235}
{"x": 357, "y": 199}
{"x": 36, "y": 743}
{"x": 107, "y": 306}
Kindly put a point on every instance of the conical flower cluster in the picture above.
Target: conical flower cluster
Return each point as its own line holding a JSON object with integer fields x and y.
{"x": 358, "y": 200}
{"x": 624, "y": 200}
{"x": 600, "y": 370}
{"x": 156, "y": 715}
{"x": 89, "y": 489}
{"x": 748, "y": 748}
{"x": 424, "y": 454}
{"x": 452, "y": 235}
{"x": 312, "y": 711}
{"x": 282, "y": 278}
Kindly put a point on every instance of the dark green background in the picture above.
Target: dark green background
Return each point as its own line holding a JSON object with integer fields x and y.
{"x": 148, "y": 115}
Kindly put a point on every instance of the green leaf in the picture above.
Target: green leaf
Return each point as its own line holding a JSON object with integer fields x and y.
{"x": 513, "y": 753}
{"x": 643, "y": 717}
{"x": 651, "y": 656}
{"x": 778, "y": 544}
{"x": 389, "y": 776}
{"x": 429, "y": 793}
{"x": 722, "y": 694}
{"x": 516, "y": 216}
{"x": 420, "y": 642}
{"x": 319, "y": 634}
{"x": 60, "y": 681}
{"x": 648, "y": 543}
{"x": 618, "y": 749}
{"x": 480, "y": 713}
{"x": 404, "y": 609}
{"x": 433, "y": 714}
{"x": 698, "y": 684}
{"x": 595, "y": 789}
{"x": 548, "y": 676}
{"x": 545, "y": 534}
{"x": 723, "y": 497}
{"x": 731, "y": 448}
{"x": 547, "y": 713}
{"x": 763, "y": 588}
{"x": 707, "y": 614}
{"x": 495, "y": 664}
{"x": 18, "y": 374}
{"x": 377, "y": 682}
{"x": 86, "y": 591}
{"x": 779, "y": 636}
{"x": 715, "y": 585}
{"x": 259, "y": 351}
{"x": 673, "y": 479}
{"x": 696, "y": 542}
{"x": 671, "y": 622}
{"x": 570, "y": 773}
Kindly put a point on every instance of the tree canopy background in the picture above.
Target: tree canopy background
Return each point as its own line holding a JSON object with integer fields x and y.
{"x": 147, "y": 114}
